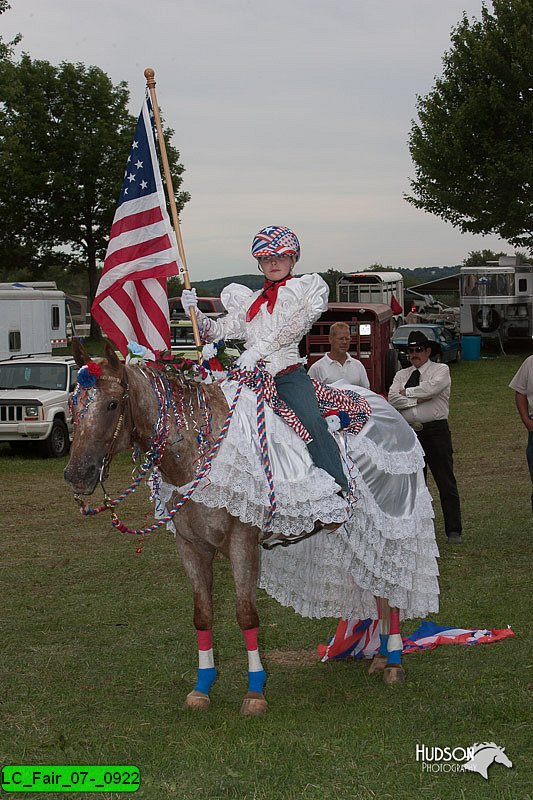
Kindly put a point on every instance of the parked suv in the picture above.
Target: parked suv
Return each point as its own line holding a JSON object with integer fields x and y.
{"x": 34, "y": 397}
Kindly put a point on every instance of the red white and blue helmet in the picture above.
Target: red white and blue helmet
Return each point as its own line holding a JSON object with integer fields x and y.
{"x": 275, "y": 241}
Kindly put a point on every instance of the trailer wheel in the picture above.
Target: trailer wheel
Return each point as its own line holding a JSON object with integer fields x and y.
{"x": 391, "y": 367}
{"x": 58, "y": 442}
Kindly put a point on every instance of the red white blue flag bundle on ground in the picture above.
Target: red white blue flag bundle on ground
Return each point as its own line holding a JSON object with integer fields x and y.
{"x": 131, "y": 300}
{"x": 358, "y": 638}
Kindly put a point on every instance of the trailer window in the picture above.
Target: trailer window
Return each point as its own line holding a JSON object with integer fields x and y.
{"x": 14, "y": 342}
{"x": 488, "y": 285}
{"x": 522, "y": 284}
{"x": 55, "y": 318}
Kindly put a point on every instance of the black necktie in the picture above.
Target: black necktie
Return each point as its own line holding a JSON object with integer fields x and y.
{"x": 413, "y": 380}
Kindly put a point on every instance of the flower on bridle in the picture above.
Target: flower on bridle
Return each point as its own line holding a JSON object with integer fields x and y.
{"x": 138, "y": 354}
{"x": 89, "y": 374}
{"x": 215, "y": 358}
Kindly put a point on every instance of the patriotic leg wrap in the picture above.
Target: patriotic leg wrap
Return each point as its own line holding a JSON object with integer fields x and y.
{"x": 256, "y": 673}
{"x": 384, "y": 624}
{"x": 205, "y": 677}
{"x": 395, "y": 644}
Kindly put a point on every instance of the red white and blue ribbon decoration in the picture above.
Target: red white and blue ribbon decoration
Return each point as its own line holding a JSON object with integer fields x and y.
{"x": 359, "y": 639}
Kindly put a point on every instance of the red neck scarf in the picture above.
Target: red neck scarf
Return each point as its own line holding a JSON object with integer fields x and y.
{"x": 269, "y": 295}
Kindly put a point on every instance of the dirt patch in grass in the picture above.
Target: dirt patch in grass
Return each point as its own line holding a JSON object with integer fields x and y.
{"x": 292, "y": 658}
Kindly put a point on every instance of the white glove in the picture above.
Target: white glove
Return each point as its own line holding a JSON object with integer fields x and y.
{"x": 188, "y": 300}
{"x": 248, "y": 359}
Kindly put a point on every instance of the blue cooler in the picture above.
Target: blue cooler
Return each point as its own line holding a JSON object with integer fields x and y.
{"x": 470, "y": 348}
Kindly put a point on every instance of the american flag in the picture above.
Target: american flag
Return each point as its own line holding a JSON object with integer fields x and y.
{"x": 359, "y": 638}
{"x": 131, "y": 300}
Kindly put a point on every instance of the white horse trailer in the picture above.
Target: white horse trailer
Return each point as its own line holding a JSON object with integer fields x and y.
{"x": 497, "y": 300}
{"x": 368, "y": 288}
{"x": 31, "y": 320}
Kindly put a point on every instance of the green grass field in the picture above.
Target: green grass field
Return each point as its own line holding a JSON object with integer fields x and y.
{"x": 99, "y": 650}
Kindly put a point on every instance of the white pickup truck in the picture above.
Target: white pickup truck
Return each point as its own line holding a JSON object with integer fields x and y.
{"x": 34, "y": 402}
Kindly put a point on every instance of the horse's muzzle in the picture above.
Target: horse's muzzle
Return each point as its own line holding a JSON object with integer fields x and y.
{"x": 82, "y": 479}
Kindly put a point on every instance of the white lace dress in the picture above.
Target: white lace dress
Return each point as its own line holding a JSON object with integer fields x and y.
{"x": 304, "y": 493}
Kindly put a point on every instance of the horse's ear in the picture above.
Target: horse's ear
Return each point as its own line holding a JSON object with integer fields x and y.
{"x": 80, "y": 354}
{"x": 111, "y": 356}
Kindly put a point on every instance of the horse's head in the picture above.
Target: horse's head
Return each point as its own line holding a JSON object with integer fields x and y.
{"x": 502, "y": 757}
{"x": 485, "y": 754}
{"x": 100, "y": 418}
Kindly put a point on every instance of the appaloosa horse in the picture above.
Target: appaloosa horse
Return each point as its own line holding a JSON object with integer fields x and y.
{"x": 123, "y": 407}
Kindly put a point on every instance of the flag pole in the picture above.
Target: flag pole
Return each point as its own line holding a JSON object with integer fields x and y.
{"x": 149, "y": 74}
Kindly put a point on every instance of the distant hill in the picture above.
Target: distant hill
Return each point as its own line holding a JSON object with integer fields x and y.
{"x": 213, "y": 287}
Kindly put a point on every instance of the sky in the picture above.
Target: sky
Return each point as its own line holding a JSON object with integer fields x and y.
{"x": 286, "y": 112}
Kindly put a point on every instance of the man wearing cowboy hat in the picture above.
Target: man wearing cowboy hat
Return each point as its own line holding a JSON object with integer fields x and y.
{"x": 422, "y": 393}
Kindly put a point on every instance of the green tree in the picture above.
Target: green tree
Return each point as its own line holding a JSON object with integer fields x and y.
{"x": 473, "y": 145}
{"x": 332, "y": 277}
{"x": 6, "y": 48}
{"x": 65, "y": 133}
{"x": 478, "y": 258}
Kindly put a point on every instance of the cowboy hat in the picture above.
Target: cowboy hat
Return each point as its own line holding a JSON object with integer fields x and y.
{"x": 420, "y": 338}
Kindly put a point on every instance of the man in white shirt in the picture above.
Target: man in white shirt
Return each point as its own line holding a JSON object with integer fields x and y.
{"x": 421, "y": 393}
{"x": 338, "y": 364}
{"x": 522, "y": 384}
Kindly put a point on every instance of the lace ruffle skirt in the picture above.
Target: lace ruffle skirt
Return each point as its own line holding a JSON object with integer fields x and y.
{"x": 387, "y": 545}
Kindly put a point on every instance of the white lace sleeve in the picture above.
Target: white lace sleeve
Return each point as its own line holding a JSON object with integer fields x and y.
{"x": 304, "y": 300}
{"x": 235, "y": 299}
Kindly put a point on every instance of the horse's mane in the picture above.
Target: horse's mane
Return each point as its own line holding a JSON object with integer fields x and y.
{"x": 483, "y": 745}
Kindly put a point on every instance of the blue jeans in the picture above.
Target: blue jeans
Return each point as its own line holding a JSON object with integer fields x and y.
{"x": 295, "y": 389}
{"x": 529, "y": 453}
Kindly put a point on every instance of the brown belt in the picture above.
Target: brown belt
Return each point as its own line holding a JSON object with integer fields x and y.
{"x": 287, "y": 370}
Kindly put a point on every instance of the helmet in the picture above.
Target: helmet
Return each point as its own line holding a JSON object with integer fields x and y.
{"x": 275, "y": 240}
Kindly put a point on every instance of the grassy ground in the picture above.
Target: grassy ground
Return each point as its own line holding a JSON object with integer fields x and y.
{"x": 99, "y": 650}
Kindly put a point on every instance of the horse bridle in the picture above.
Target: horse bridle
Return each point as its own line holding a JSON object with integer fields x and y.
{"x": 106, "y": 460}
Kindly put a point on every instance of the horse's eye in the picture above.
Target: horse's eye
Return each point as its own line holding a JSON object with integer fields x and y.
{"x": 112, "y": 405}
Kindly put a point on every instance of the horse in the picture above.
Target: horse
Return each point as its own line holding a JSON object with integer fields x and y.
{"x": 123, "y": 408}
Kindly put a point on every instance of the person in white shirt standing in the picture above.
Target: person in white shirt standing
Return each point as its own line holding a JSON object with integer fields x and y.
{"x": 522, "y": 384}
{"x": 422, "y": 393}
{"x": 338, "y": 364}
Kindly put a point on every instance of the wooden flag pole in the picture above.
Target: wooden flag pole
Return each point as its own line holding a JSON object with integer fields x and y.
{"x": 149, "y": 74}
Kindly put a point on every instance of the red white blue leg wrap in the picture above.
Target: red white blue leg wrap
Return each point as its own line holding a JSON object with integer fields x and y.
{"x": 206, "y": 674}
{"x": 395, "y": 644}
{"x": 256, "y": 673}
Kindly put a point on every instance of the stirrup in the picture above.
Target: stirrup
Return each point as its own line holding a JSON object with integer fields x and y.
{"x": 330, "y": 527}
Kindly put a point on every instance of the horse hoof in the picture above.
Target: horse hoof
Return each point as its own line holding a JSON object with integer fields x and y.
{"x": 394, "y": 673}
{"x": 378, "y": 664}
{"x": 197, "y": 701}
{"x": 253, "y": 705}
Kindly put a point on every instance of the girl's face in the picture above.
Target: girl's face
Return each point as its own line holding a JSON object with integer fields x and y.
{"x": 275, "y": 268}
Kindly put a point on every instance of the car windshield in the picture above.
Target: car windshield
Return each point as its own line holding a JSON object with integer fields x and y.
{"x": 401, "y": 334}
{"x": 33, "y": 376}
